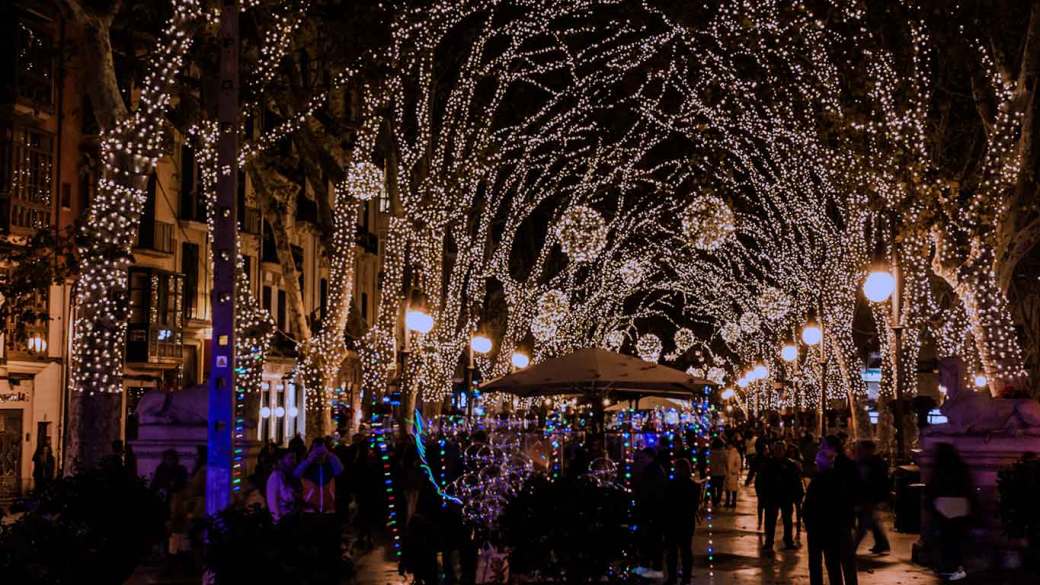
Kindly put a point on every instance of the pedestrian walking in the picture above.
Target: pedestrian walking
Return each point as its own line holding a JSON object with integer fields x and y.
{"x": 717, "y": 463}
{"x": 43, "y": 464}
{"x": 780, "y": 488}
{"x": 828, "y": 513}
{"x": 317, "y": 474}
{"x": 873, "y": 484}
{"x": 754, "y": 475}
{"x": 733, "y": 465}
{"x": 951, "y": 499}
{"x": 683, "y": 497}
{"x": 282, "y": 487}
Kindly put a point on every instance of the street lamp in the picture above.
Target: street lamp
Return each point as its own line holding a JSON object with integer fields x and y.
{"x": 728, "y": 394}
{"x": 760, "y": 372}
{"x": 812, "y": 334}
{"x": 981, "y": 380}
{"x": 477, "y": 344}
{"x": 520, "y": 360}
{"x": 418, "y": 321}
{"x": 789, "y": 352}
{"x": 880, "y": 286}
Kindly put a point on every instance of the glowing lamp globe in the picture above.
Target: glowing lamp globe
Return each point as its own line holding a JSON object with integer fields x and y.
{"x": 728, "y": 394}
{"x": 520, "y": 360}
{"x": 480, "y": 344}
{"x": 789, "y": 353}
{"x": 761, "y": 372}
{"x": 418, "y": 321}
{"x": 879, "y": 286}
{"x": 812, "y": 334}
{"x": 981, "y": 380}
{"x": 743, "y": 382}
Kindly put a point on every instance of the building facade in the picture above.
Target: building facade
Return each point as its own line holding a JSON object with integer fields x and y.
{"x": 48, "y": 149}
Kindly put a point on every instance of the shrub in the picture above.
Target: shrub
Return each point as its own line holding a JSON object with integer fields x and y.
{"x": 93, "y": 527}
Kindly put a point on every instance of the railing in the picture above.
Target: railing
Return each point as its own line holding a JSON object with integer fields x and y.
{"x": 156, "y": 236}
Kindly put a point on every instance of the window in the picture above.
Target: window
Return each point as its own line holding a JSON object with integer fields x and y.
{"x": 266, "y": 298}
{"x": 26, "y": 175}
{"x": 323, "y": 297}
{"x": 364, "y": 307}
{"x": 190, "y": 270}
{"x": 247, "y": 267}
{"x": 34, "y": 76}
{"x": 191, "y": 207}
{"x": 281, "y": 310}
{"x": 297, "y": 254}
{"x": 85, "y": 181}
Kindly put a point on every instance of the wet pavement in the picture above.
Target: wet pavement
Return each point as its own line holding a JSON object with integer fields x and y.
{"x": 738, "y": 560}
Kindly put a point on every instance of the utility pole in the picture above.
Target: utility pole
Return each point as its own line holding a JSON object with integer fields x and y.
{"x": 220, "y": 455}
{"x": 897, "y": 375}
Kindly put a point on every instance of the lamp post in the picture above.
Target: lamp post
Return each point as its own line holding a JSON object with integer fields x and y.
{"x": 477, "y": 344}
{"x": 789, "y": 353}
{"x": 812, "y": 334}
{"x": 416, "y": 320}
{"x": 880, "y": 286}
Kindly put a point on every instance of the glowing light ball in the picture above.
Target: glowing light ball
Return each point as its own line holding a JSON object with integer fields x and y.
{"x": 730, "y": 333}
{"x": 582, "y": 233}
{"x": 743, "y": 382}
{"x": 364, "y": 180}
{"x": 613, "y": 340}
{"x": 879, "y": 286}
{"x": 695, "y": 372}
{"x": 708, "y": 223}
{"x": 553, "y": 308}
{"x": 684, "y": 338}
{"x": 716, "y": 375}
{"x": 774, "y": 304}
{"x": 981, "y": 380}
{"x": 480, "y": 344}
{"x": 418, "y": 321}
{"x": 520, "y": 360}
{"x": 649, "y": 347}
{"x": 728, "y": 394}
{"x": 789, "y": 353}
{"x": 760, "y": 371}
{"x": 750, "y": 322}
{"x": 631, "y": 272}
{"x": 812, "y": 334}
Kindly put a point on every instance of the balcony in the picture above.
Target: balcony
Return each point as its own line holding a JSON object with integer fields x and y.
{"x": 155, "y": 236}
{"x": 156, "y": 323}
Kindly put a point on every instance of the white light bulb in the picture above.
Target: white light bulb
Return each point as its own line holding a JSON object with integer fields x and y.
{"x": 879, "y": 286}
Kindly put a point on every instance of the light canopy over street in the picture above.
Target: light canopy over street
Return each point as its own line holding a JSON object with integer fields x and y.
{"x": 504, "y": 291}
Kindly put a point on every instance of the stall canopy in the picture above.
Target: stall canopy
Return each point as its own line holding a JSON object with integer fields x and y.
{"x": 598, "y": 371}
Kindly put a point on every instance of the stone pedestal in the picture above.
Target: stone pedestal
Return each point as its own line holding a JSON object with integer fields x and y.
{"x": 985, "y": 455}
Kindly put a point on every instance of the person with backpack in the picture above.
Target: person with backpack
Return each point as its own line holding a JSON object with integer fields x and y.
{"x": 317, "y": 474}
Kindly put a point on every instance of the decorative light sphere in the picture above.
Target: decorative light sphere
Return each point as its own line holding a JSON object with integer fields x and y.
{"x": 981, "y": 380}
{"x": 582, "y": 233}
{"x": 750, "y": 322}
{"x": 480, "y": 344}
{"x": 279, "y": 411}
{"x": 774, "y": 303}
{"x": 631, "y": 272}
{"x": 520, "y": 360}
{"x": 879, "y": 286}
{"x": 613, "y": 340}
{"x": 695, "y": 372}
{"x": 265, "y": 412}
{"x": 364, "y": 180}
{"x": 418, "y": 321}
{"x": 684, "y": 338}
{"x": 789, "y": 353}
{"x": 649, "y": 347}
{"x": 730, "y": 333}
{"x": 728, "y": 394}
{"x": 716, "y": 375}
{"x": 743, "y": 382}
{"x": 553, "y": 308}
{"x": 708, "y": 223}
{"x": 812, "y": 334}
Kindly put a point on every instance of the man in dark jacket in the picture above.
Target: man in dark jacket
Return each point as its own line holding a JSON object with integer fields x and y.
{"x": 828, "y": 515}
{"x": 683, "y": 498}
{"x": 780, "y": 488}
{"x": 873, "y": 482}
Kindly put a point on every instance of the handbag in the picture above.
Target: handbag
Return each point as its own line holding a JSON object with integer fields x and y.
{"x": 952, "y": 507}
